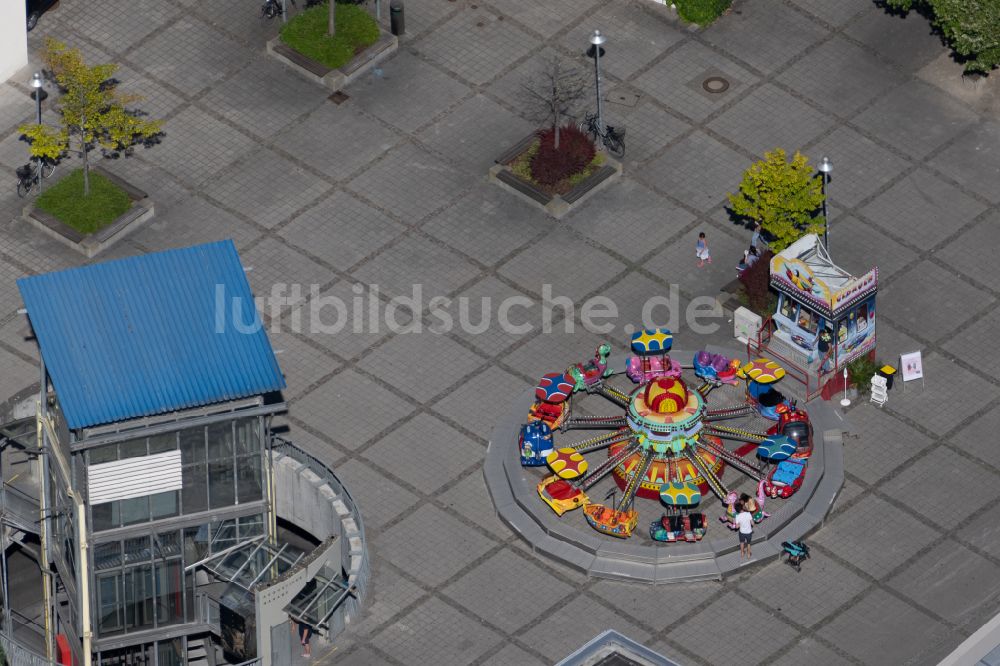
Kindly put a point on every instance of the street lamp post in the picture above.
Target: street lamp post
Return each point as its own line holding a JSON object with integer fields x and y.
{"x": 38, "y": 93}
{"x": 596, "y": 40}
{"x": 825, "y": 167}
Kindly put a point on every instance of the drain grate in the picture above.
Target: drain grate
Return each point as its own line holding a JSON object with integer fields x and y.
{"x": 715, "y": 84}
{"x": 339, "y": 97}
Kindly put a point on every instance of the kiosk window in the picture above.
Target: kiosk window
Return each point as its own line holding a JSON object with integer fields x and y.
{"x": 786, "y": 306}
{"x": 862, "y": 317}
{"x": 808, "y": 320}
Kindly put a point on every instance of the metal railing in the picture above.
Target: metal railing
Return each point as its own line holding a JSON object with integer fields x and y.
{"x": 759, "y": 344}
{"x": 18, "y": 655}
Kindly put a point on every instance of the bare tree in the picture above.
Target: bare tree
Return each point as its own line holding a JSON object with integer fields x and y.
{"x": 550, "y": 95}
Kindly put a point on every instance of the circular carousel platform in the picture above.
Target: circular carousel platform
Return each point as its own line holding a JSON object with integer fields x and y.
{"x": 569, "y": 540}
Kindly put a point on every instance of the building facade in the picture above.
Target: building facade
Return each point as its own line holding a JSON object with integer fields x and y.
{"x": 159, "y": 525}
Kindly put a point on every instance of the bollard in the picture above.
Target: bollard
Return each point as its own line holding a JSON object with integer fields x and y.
{"x": 397, "y": 23}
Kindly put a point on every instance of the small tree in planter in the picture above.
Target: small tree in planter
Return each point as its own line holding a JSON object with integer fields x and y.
{"x": 91, "y": 110}
{"x": 783, "y": 196}
{"x": 550, "y": 95}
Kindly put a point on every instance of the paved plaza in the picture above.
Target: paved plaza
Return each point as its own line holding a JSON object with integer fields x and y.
{"x": 389, "y": 188}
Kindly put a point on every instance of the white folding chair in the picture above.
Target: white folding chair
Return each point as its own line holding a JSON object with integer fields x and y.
{"x": 879, "y": 392}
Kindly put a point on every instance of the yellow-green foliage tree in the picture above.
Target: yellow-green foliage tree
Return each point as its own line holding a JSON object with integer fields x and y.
{"x": 783, "y": 196}
{"x": 93, "y": 113}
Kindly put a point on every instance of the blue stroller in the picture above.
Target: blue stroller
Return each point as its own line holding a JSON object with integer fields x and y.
{"x": 797, "y": 551}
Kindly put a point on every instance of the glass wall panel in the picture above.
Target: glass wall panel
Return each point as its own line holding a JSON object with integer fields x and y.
{"x": 192, "y": 445}
{"x": 170, "y": 653}
{"x": 164, "y": 442}
{"x": 221, "y": 484}
{"x": 137, "y": 550}
{"x": 220, "y": 441}
{"x": 163, "y": 505}
{"x": 251, "y": 526}
{"x": 195, "y": 490}
{"x": 102, "y": 454}
{"x": 249, "y": 478}
{"x": 135, "y": 510}
{"x": 247, "y": 437}
{"x": 139, "y": 598}
{"x": 107, "y": 555}
{"x": 195, "y": 543}
{"x": 169, "y": 594}
{"x": 110, "y": 609}
{"x": 106, "y": 516}
{"x": 133, "y": 448}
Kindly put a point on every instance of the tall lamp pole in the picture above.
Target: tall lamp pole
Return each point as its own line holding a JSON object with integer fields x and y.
{"x": 596, "y": 40}
{"x": 825, "y": 167}
{"x": 38, "y": 93}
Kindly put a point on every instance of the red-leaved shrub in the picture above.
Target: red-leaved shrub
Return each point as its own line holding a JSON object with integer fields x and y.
{"x": 756, "y": 281}
{"x": 550, "y": 166}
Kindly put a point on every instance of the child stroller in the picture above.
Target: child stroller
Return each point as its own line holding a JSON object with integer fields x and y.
{"x": 797, "y": 551}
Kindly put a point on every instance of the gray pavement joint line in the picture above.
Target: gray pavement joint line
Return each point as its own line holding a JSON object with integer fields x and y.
{"x": 803, "y": 630}
{"x": 145, "y": 39}
{"x": 17, "y": 352}
{"x": 931, "y": 346}
{"x": 651, "y": 630}
{"x": 435, "y": 592}
{"x": 879, "y": 584}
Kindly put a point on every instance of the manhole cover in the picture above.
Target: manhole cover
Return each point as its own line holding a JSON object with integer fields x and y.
{"x": 339, "y": 97}
{"x": 715, "y": 84}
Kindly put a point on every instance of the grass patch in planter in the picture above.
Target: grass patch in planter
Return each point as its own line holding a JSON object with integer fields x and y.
{"x": 65, "y": 201}
{"x": 701, "y": 12}
{"x": 355, "y": 31}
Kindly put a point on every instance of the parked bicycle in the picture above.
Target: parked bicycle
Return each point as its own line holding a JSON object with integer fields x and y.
{"x": 27, "y": 176}
{"x": 272, "y": 8}
{"x": 613, "y": 139}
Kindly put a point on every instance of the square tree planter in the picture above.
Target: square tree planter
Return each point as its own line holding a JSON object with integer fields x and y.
{"x": 92, "y": 244}
{"x": 556, "y": 205}
{"x": 334, "y": 79}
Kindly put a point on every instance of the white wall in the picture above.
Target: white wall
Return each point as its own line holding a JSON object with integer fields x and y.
{"x": 13, "y": 38}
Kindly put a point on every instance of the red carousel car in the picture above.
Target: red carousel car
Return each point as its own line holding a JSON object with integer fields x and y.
{"x": 795, "y": 424}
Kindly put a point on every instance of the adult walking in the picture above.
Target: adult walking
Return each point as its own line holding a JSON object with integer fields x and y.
{"x": 744, "y": 522}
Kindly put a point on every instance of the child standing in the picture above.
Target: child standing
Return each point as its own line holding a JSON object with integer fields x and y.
{"x": 701, "y": 250}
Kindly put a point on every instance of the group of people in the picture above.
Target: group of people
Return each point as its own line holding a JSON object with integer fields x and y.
{"x": 741, "y": 514}
{"x": 750, "y": 255}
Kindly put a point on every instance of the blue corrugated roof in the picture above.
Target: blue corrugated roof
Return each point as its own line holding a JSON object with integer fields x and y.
{"x": 141, "y": 336}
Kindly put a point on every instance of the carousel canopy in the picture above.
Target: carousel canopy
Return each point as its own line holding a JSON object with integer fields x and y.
{"x": 554, "y": 387}
{"x": 567, "y": 463}
{"x": 777, "y": 447}
{"x": 762, "y": 371}
{"x": 680, "y": 494}
{"x": 652, "y": 340}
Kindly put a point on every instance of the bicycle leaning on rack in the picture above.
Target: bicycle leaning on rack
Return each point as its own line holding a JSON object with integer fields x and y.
{"x": 27, "y": 176}
{"x": 613, "y": 139}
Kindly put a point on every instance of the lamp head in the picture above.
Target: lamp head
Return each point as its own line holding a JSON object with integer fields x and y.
{"x": 825, "y": 165}
{"x": 36, "y": 81}
{"x": 597, "y": 38}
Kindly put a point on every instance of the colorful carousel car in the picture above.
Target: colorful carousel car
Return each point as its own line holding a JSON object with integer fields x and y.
{"x": 667, "y": 436}
{"x": 760, "y": 375}
{"x": 650, "y": 358}
{"x": 680, "y": 524}
{"x": 795, "y": 424}
{"x": 535, "y": 443}
{"x": 715, "y": 367}
{"x": 550, "y": 399}
{"x": 786, "y": 477}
